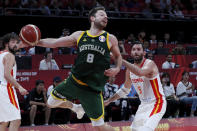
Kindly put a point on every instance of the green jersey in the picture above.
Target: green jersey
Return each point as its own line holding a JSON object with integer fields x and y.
{"x": 92, "y": 60}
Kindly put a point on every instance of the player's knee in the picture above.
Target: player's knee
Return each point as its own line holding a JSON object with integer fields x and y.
{"x": 16, "y": 123}
{"x": 52, "y": 103}
{"x": 4, "y": 124}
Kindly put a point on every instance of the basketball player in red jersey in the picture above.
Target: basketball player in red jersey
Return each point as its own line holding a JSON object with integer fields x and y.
{"x": 9, "y": 106}
{"x": 144, "y": 75}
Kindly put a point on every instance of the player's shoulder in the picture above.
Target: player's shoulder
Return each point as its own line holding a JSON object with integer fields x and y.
{"x": 78, "y": 32}
{"x": 150, "y": 62}
{"x": 112, "y": 40}
{"x": 112, "y": 36}
{"x": 9, "y": 55}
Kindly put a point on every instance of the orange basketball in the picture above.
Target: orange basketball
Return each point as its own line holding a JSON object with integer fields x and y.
{"x": 30, "y": 34}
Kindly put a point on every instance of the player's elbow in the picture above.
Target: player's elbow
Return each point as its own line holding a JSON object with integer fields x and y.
{"x": 7, "y": 76}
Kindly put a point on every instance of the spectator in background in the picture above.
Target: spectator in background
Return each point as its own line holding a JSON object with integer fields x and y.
{"x": 37, "y": 102}
{"x": 160, "y": 50}
{"x": 168, "y": 64}
{"x": 130, "y": 39}
{"x": 153, "y": 39}
{"x": 122, "y": 48}
{"x": 184, "y": 89}
{"x": 167, "y": 39}
{"x": 20, "y": 52}
{"x": 44, "y": 9}
{"x": 38, "y": 50}
{"x": 172, "y": 99}
{"x": 48, "y": 63}
{"x": 164, "y": 3}
{"x": 179, "y": 50}
{"x": 146, "y": 46}
{"x": 32, "y": 51}
{"x": 110, "y": 90}
{"x": 160, "y": 45}
{"x": 66, "y": 50}
{"x": 147, "y": 12}
{"x": 150, "y": 55}
{"x": 177, "y": 12}
{"x": 56, "y": 81}
{"x": 142, "y": 36}
{"x": 167, "y": 12}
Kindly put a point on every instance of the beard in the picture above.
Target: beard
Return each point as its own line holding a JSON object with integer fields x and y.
{"x": 138, "y": 60}
{"x": 13, "y": 50}
{"x": 99, "y": 25}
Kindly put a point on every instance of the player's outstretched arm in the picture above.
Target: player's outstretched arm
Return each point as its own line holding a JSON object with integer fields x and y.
{"x": 149, "y": 69}
{"x": 122, "y": 92}
{"x": 67, "y": 41}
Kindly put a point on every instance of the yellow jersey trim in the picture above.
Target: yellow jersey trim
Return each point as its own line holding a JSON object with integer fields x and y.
{"x": 155, "y": 112}
{"x": 94, "y": 35}
{"x": 57, "y": 98}
{"x": 108, "y": 41}
{"x": 102, "y": 116}
{"x": 78, "y": 81}
{"x": 80, "y": 37}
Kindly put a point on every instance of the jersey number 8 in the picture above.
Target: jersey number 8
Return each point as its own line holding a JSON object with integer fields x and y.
{"x": 90, "y": 58}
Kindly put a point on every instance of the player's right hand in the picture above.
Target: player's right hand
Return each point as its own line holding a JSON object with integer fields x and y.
{"x": 23, "y": 91}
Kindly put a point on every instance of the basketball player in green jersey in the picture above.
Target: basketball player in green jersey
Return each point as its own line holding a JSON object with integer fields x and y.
{"x": 90, "y": 71}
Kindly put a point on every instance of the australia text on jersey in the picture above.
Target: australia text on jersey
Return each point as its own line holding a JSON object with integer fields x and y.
{"x": 92, "y": 47}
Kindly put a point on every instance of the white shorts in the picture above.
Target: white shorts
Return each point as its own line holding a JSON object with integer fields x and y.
{"x": 148, "y": 116}
{"x": 9, "y": 106}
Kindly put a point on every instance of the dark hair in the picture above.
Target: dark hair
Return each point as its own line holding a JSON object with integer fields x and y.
{"x": 165, "y": 74}
{"x": 150, "y": 52}
{"x": 184, "y": 73}
{"x": 138, "y": 43}
{"x": 46, "y": 53}
{"x": 94, "y": 10}
{"x": 39, "y": 82}
{"x": 7, "y": 37}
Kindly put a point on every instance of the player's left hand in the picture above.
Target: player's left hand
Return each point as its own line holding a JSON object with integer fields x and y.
{"x": 112, "y": 71}
{"x": 23, "y": 91}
